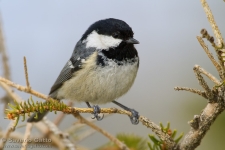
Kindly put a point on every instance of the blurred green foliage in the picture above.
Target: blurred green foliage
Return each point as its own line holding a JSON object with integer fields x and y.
{"x": 132, "y": 141}
{"x": 158, "y": 144}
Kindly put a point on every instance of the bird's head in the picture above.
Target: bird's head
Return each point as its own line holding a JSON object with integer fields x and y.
{"x": 108, "y": 33}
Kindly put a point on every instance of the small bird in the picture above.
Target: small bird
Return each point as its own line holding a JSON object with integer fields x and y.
{"x": 102, "y": 68}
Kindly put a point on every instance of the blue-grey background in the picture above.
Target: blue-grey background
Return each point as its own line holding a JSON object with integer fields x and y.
{"x": 46, "y": 31}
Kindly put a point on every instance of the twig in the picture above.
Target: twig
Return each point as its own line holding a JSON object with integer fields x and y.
{"x": 84, "y": 135}
{"x": 4, "y": 55}
{"x": 25, "y": 108}
{"x": 216, "y": 33}
{"x": 10, "y": 92}
{"x": 10, "y": 129}
{"x": 40, "y": 126}
{"x": 193, "y": 138}
{"x": 80, "y": 110}
{"x": 26, "y": 136}
{"x": 170, "y": 143}
{"x": 51, "y": 126}
{"x": 60, "y": 106}
{"x": 24, "y": 89}
{"x": 199, "y": 92}
{"x": 44, "y": 129}
{"x": 209, "y": 75}
{"x": 61, "y": 115}
{"x": 6, "y": 69}
{"x": 64, "y": 138}
{"x": 201, "y": 123}
{"x": 215, "y": 63}
{"x": 212, "y": 22}
{"x": 59, "y": 118}
{"x": 77, "y": 125}
{"x": 12, "y": 123}
{"x": 121, "y": 145}
{"x": 203, "y": 83}
{"x": 26, "y": 72}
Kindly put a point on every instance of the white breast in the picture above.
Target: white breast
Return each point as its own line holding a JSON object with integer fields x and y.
{"x": 97, "y": 84}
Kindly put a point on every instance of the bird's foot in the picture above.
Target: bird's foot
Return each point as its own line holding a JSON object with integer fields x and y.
{"x": 96, "y": 113}
{"x": 134, "y": 118}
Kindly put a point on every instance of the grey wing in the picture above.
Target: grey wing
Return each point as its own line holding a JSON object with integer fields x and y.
{"x": 74, "y": 64}
{"x": 64, "y": 75}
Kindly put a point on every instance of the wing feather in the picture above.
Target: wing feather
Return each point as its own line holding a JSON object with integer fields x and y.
{"x": 74, "y": 64}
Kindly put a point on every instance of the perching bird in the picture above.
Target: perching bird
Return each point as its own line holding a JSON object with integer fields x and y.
{"x": 102, "y": 68}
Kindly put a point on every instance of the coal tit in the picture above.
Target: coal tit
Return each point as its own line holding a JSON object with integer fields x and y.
{"x": 102, "y": 68}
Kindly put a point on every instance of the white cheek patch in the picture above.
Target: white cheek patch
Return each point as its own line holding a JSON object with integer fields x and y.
{"x": 101, "y": 41}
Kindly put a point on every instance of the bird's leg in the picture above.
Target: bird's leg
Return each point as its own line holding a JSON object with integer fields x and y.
{"x": 134, "y": 118}
{"x": 96, "y": 112}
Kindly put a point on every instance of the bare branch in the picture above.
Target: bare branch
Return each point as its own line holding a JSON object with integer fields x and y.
{"x": 10, "y": 129}
{"x": 26, "y": 72}
{"x": 157, "y": 130}
{"x": 10, "y": 92}
{"x": 203, "y": 83}
{"x": 199, "y": 92}
{"x": 169, "y": 141}
{"x": 201, "y": 123}
{"x": 44, "y": 129}
{"x": 26, "y": 136}
{"x": 6, "y": 69}
{"x": 193, "y": 138}
{"x": 212, "y": 22}
{"x": 77, "y": 125}
{"x": 121, "y": 145}
{"x": 61, "y": 115}
{"x": 63, "y": 137}
{"x": 209, "y": 75}
{"x": 4, "y": 55}
{"x": 216, "y": 32}
{"x": 215, "y": 63}
{"x": 84, "y": 135}
{"x": 24, "y": 89}
{"x": 40, "y": 126}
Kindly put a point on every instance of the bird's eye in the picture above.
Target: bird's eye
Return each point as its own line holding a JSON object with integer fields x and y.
{"x": 116, "y": 34}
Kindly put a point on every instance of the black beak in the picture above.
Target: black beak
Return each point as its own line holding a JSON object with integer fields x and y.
{"x": 132, "y": 41}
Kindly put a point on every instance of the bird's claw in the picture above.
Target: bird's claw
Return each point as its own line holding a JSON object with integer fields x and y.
{"x": 134, "y": 118}
{"x": 96, "y": 113}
